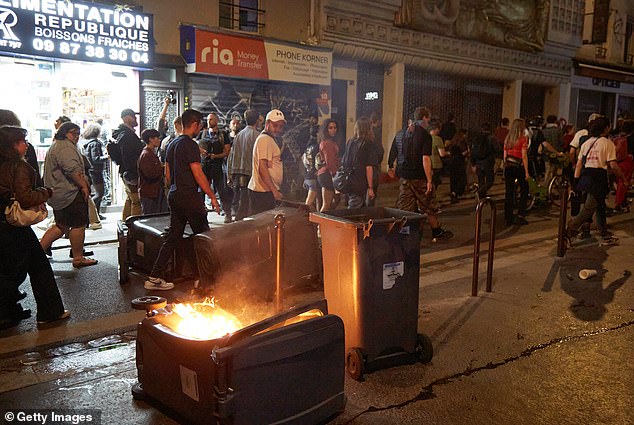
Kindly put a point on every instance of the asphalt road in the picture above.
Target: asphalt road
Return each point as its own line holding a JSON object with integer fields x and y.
{"x": 544, "y": 347}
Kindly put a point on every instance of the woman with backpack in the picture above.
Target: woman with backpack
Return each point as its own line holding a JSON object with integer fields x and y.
{"x": 358, "y": 161}
{"x": 327, "y": 162}
{"x": 516, "y": 172}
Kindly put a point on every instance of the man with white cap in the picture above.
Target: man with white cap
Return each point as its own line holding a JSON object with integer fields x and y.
{"x": 266, "y": 177}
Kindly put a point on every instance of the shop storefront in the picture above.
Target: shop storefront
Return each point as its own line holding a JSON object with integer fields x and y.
{"x": 228, "y": 74}
{"x": 81, "y": 60}
{"x": 604, "y": 90}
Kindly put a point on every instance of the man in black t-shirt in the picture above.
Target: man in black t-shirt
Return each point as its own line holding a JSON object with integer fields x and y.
{"x": 185, "y": 179}
{"x": 416, "y": 190}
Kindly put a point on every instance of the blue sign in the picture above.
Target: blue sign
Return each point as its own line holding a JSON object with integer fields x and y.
{"x": 79, "y": 31}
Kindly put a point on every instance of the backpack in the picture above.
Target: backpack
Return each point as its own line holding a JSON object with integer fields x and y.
{"x": 320, "y": 162}
{"x": 481, "y": 149}
{"x": 407, "y": 147}
{"x": 114, "y": 150}
{"x": 308, "y": 157}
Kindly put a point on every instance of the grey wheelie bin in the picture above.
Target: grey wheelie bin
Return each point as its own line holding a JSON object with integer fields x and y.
{"x": 371, "y": 260}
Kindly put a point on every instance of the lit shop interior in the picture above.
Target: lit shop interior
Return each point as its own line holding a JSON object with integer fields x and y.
{"x": 39, "y": 91}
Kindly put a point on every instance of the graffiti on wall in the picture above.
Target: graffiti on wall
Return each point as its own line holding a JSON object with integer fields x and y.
{"x": 229, "y": 98}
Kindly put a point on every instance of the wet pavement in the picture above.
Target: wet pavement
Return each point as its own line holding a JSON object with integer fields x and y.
{"x": 544, "y": 347}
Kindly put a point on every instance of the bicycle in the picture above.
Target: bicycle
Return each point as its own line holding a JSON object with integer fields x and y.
{"x": 558, "y": 181}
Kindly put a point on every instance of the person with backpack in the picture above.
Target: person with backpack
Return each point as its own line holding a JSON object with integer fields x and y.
{"x": 536, "y": 165}
{"x": 483, "y": 153}
{"x": 597, "y": 155}
{"x": 125, "y": 153}
{"x": 310, "y": 174}
{"x": 327, "y": 163}
{"x": 413, "y": 167}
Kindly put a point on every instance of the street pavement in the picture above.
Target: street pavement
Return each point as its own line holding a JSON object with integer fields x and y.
{"x": 544, "y": 347}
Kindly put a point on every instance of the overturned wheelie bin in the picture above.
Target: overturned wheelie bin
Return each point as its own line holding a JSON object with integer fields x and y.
{"x": 371, "y": 261}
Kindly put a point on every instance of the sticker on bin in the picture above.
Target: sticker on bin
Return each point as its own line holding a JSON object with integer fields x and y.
{"x": 390, "y": 272}
{"x": 404, "y": 230}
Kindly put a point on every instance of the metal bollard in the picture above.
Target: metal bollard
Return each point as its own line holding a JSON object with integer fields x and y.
{"x": 563, "y": 212}
{"x": 279, "y": 257}
{"x": 476, "y": 246}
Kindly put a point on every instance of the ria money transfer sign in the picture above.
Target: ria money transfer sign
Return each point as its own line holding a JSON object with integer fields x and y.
{"x": 78, "y": 31}
{"x": 223, "y": 54}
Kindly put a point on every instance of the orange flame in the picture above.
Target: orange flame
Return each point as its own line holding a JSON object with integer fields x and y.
{"x": 205, "y": 320}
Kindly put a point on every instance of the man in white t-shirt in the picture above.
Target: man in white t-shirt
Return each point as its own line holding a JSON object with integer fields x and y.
{"x": 599, "y": 154}
{"x": 576, "y": 140}
{"x": 266, "y": 177}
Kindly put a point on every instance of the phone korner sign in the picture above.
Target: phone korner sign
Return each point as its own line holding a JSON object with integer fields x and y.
{"x": 78, "y": 31}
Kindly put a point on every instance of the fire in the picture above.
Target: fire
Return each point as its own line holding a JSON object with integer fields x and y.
{"x": 204, "y": 320}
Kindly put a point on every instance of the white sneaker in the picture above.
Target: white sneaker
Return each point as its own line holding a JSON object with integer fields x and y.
{"x": 95, "y": 226}
{"x": 158, "y": 284}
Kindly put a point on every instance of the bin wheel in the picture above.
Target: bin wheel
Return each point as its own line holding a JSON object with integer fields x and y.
{"x": 148, "y": 303}
{"x": 424, "y": 349}
{"x": 137, "y": 391}
{"x": 355, "y": 363}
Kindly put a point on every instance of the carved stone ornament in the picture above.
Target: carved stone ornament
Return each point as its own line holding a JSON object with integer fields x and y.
{"x": 515, "y": 24}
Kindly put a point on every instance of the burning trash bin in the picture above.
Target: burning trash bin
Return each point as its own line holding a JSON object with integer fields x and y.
{"x": 371, "y": 260}
{"x": 202, "y": 364}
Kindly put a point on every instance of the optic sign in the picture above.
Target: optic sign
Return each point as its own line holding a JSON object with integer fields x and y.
{"x": 222, "y": 54}
{"x": 78, "y": 31}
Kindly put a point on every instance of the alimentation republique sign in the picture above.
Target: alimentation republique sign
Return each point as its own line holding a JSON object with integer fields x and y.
{"x": 79, "y": 31}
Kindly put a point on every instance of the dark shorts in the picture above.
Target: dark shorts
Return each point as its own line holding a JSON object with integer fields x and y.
{"x": 311, "y": 184}
{"x": 75, "y": 215}
{"x": 325, "y": 181}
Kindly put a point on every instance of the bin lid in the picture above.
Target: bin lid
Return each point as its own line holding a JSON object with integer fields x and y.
{"x": 364, "y": 217}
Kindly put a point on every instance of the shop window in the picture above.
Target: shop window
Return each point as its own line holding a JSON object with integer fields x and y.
{"x": 242, "y": 15}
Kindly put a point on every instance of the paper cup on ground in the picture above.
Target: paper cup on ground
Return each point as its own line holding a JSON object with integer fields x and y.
{"x": 587, "y": 273}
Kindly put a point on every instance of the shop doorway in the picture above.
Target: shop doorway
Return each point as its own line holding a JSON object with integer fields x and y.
{"x": 339, "y": 110}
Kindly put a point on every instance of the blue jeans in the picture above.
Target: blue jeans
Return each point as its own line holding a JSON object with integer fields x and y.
{"x": 154, "y": 205}
{"x": 355, "y": 201}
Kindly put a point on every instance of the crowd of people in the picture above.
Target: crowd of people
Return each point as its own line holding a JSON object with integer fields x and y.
{"x": 240, "y": 172}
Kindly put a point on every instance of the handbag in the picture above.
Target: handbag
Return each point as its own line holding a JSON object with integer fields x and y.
{"x": 342, "y": 181}
{"x": 20, "y": 217}
{"x": 343, "y": 178}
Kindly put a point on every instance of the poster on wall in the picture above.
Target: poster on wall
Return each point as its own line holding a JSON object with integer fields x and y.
{"x": 80, "y": 31}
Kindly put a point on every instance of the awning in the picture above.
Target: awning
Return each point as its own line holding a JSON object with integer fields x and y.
{"x": 604, "y": 71}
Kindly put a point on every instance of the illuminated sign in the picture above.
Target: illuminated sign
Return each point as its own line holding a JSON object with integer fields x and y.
{"x": 78, "y": 31}
{"x": 222, "y": 54}
{"x": 372, "y": 95}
